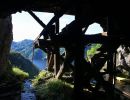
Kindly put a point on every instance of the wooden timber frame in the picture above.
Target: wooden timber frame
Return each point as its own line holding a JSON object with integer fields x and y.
{"x": 51, "y": 45}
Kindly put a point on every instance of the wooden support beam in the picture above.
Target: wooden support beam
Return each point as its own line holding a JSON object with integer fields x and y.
{"x": 56, "y": 50}
{"x": 56, "y": 62}
{"x": 57, "y": 26}
{"x": 78, "y": 50}
{"x": 78, "y": 71}
{"x": 110, "y": 63}
{"x": 37, "y": 19}
{"x": 46, "y": 29}
{"x": 110, "y": 66}
{"x": 114, "y": 66}
{"x": 97, "y": 38}
{"x": 50, "y": 61}
{"x": 62, "y": 42}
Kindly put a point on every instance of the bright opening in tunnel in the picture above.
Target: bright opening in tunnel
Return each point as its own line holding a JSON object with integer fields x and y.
{"x": 26, "y": 29}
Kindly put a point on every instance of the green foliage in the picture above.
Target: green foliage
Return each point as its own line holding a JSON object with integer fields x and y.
{"x": 42, "y": 74}
{"x": 19, "y": 73}
{"x": 93, "y": 50}
{"x": 26, "y": 65}
{"x": 54, "y": 90}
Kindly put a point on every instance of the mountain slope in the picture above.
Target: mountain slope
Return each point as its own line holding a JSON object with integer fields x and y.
{"x": 18, "y": 60}
{"x": 25, "y": 47}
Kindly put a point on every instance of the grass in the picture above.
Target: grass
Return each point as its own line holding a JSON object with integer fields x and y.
{"x": 50, "y": 88}
{"x": 19, "y": 73}
{"x": 54, "y": 90}
{"x": 40, "y": 76}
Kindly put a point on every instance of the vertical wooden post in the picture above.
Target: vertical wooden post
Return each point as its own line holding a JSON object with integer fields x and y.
{"x": 50, "y": 61}
{"x": 56, "y": 61}
{"x": 57, "y": 26}
{"x": 78, "y": 72}
{"x": 110, "y": 66}
{"x": 110, "y": 63}
{"x": 110, "y": 52}
{"x": 79, "y": 55}
{"x": 55, "y": 64}
{"x": 57, "y": 52}
{"x": 114, "y": 66}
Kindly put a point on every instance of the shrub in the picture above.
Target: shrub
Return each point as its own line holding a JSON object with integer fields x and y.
{"x": 93, "y": 50}
{"x": 54, "y": 90}
{"x": 40, "y": 76}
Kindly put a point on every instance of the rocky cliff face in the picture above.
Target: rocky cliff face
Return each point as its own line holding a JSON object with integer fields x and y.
{"x": 123, "y": 59}
{"x": 6, "y": 38}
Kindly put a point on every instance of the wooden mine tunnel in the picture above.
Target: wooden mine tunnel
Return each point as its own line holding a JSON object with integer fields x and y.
{"x": 73, "y": 38}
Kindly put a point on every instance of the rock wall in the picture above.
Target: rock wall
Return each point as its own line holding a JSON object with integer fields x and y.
{"x": 6, "y": 38}
{"x": 123, "y": 59}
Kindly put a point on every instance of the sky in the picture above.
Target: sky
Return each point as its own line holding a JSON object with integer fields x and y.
{"x": 25, "y": 27}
